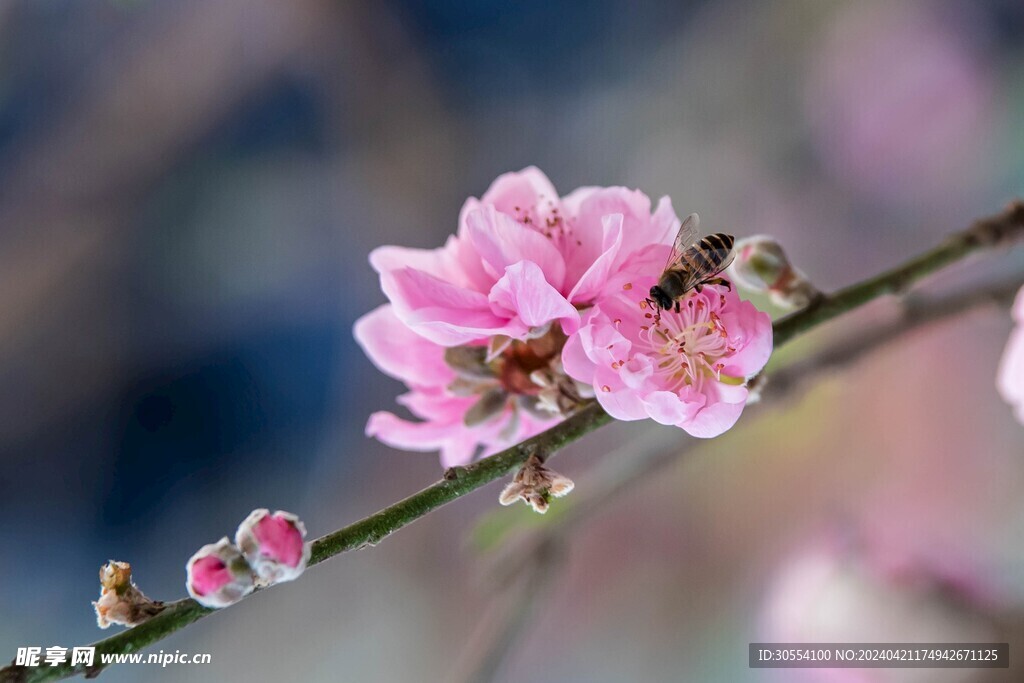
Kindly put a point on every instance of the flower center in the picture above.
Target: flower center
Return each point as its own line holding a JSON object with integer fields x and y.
{"x": 687, "y": 346}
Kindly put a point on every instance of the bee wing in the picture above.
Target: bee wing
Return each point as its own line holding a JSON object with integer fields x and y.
{"x": 684, "y": 238}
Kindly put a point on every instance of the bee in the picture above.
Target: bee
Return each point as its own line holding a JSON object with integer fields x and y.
{"x": 692, "y": 265}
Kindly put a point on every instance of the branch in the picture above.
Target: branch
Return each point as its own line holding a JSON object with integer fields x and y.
{"x": 1000, "y": 229}
{"x": 621, "y": 470}
{"x": 459, "y": 481}
{"x": 618, "y": 471}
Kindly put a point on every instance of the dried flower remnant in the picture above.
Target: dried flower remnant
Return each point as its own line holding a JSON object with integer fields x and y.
{"x": 761, "y": 265}
{"x": 274, "y": 545}
{"x": 535, "y": 485}
{"x": 1010, "y": 380}
{"x": 510, "y": 287}
{"x": 121, "y": 602}
{"x": 218, "y": 575}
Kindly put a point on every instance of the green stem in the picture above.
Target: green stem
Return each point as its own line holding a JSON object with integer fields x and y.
{"x": 459, "y": 481}
{"x": 989, "y": 232}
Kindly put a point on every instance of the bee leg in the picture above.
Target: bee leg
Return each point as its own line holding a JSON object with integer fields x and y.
{"x": 677, "y": 305}
{"x": 720, "y": 281}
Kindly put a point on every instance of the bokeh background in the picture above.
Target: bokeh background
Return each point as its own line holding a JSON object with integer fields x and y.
{"x": 188, "y": 193}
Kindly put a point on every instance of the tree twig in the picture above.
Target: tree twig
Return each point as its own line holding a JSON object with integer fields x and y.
{"x": 621, "y": 470}
{"x": 459, "y": 481}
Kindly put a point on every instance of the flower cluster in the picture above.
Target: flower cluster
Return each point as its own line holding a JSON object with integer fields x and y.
{"x": 268, "y": 548}
{"x": 536, "y": 305}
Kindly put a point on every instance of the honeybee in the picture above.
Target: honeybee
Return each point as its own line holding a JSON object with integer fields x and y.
{"x": 692, "y": 264}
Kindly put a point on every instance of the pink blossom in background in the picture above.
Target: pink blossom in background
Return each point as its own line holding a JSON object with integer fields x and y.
{"x": 901, "y": 103}
{"x": 1011, "y": 369}
{"x": 686, "y": 369}
{"x": 504, "y": 292}
{"x": 825, "y": 593}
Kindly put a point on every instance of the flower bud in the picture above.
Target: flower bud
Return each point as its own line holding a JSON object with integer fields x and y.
{"x": 218, "y": 575}
{"x": 273, "y": 544}
{"x": 761, "y": 265}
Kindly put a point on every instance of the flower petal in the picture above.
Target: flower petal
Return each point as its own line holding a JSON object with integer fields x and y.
{"x": 522, "y": 291}
{"x": 524, "y": 190}
{"x": 635, "y": 207}
{"x": 618, "y": 400}
{"x": 438, "y": 310}
{"x": 502, "y": 241}
{"x": 752, "y": 331}
{"x": 665, "y": 407}
{"x": 575, "y": 360}
{"x": 593, "y": 280}
{"x": 717, "y": 416}
{"x": 400, "y": 352}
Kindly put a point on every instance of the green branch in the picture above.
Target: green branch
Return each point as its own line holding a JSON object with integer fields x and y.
{"x": 1000, "y": 229}
{"x": 458, "y": 481}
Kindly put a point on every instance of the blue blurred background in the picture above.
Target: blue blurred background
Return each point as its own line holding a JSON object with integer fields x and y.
{"x": 188, "y": 193}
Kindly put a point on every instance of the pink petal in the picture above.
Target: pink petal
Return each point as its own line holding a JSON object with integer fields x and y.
{"x": 636, "y": 371}
{"x": 456, "y": 452}
{"x": 618, "y": 401}
{"x": 525, "y": 189}
{"x": 400, "y": 352}
{"x": 435, "y": 403}
{"x": 209, "y": 574}
{"x": 575, "y": 360}
{"x": 635, "y": 207}
{"x": 502, "y": 241}
{"x": 280, "y": 540}
{"x": 410, "y": 436}
{"x": 1010, "y": 378}
{"x": 717, "y": 416}
{"x": 440, "y": 263}
{"x": 754, "y": 330}
{"x": 438, "y": 310}
{"x": 524, "y": 292}
{"x": 665, "y": 407}
{"x": 664, "y": 223}
{"x": 446, "y": 328}
{"x": 594, "y": 278}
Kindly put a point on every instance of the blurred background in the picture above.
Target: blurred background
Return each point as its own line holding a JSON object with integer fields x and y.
{"x": 188, "y": 193}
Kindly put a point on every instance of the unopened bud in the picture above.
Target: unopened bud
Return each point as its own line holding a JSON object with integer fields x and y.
{"x": 535, "y": 484}
{"x": 218, "y": 575}
{"x": 121, "y": 602}
{"x": 274, "y": 545}
{"x": 761, "y": 265}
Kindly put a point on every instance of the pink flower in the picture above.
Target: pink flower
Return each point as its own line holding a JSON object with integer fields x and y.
{"x": 274, "y": 545}
{"x": 218, "y": 575}
{"x": 523, "y": 258}
{"x": 1011, "y": 370}
{"x": 686, "y": 369}
{"x": 476, "y": 327}
{"x": 462, "y": 415}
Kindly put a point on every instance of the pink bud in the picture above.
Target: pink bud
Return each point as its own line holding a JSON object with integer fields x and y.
{"x": 218, "y": 575}
{"x": 761, "y": 265}
{"x": 273, "y": 544}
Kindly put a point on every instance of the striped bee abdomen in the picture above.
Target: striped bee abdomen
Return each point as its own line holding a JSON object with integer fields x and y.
{"x": 708, "y": 255}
